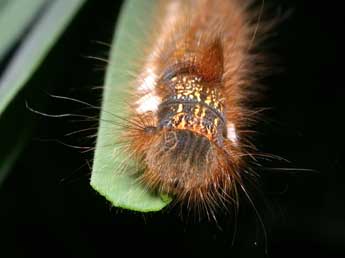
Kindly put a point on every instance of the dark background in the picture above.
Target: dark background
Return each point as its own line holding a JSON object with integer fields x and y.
{"x": 48, "y": 207}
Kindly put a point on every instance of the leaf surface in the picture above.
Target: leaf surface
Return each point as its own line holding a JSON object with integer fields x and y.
{"x": 113, "y": 174}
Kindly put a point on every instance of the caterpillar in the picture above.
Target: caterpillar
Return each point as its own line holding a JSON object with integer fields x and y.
{"x": 190, "y": 107}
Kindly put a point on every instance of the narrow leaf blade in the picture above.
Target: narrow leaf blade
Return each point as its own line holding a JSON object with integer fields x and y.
{"x": 35, "y": 48}
{"x": 14, "y": 127}
{"x": 15, "y": 16}
{"x": 109, "y": 177}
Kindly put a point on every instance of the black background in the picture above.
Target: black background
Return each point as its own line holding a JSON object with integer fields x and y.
{"x": 48, "y": 207}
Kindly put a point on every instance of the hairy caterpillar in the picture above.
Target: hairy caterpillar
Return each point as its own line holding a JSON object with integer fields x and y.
{"x": 190, "y": 110}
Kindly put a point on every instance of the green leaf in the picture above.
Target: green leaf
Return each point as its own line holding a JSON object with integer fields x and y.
{"x": 15, "y": 17}
{"x": 116, "y": 182}
{"x": 15, "y": 124}
{"x": 35, "y": 47}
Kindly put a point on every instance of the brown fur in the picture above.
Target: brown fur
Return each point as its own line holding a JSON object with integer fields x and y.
{"x": 213, "y": 39}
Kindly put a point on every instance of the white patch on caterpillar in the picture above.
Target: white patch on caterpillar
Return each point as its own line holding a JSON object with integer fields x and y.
{"x": 148, "y": 102}
{"x": 232, "y": 135}
{"x": 149, "y": 81}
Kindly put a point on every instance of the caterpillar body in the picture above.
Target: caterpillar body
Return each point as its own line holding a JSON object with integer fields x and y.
{"x": 190, "y": 118}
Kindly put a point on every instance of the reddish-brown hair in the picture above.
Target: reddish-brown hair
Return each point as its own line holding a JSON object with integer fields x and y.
{"x": 190, "y": 137}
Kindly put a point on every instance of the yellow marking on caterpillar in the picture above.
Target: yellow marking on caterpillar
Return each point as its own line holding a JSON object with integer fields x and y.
{"x": 180, "y": 108}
